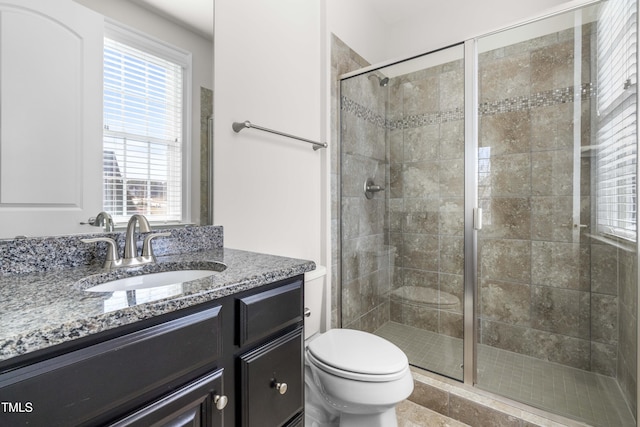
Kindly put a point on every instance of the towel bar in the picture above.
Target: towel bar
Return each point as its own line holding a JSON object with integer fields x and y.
{"x": 238, "y": 126}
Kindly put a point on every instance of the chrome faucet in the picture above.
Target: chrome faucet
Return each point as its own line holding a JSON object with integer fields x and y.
{"x": 104, "y": 219}
{"x": 131, "y": 257}
{"x": 130, "y": 248}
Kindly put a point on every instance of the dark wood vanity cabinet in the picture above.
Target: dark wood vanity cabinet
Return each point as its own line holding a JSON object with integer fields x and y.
{"x": 220, "y": 364}
{"x": 271, "y": 372}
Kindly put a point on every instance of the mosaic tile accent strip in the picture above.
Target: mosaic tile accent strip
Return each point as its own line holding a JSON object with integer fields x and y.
{"x": 419, "y": 120}
{"x": 362, "y": 112}
{"x": 518, "y": 103}
{"x": 540, "y": 99}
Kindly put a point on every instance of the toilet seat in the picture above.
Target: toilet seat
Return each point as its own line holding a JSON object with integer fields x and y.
{"x": 357, "y": 355}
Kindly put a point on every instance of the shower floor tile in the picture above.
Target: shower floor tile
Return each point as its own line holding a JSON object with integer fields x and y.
{"x": 581, "y": 395}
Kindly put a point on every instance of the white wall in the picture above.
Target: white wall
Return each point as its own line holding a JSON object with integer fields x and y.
{"x": 406, "y": 28}
{"x": 267, "y": 69}
{"x": 359, "y": 25}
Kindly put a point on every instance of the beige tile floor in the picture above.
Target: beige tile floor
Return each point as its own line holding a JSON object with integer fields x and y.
{"x": 413, "y": 415}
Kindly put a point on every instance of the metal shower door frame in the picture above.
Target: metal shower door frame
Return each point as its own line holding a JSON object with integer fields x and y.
{"x": 470, "y": 331}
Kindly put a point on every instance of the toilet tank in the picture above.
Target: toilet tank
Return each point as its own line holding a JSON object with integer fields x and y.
{"x": 314, "y": 300}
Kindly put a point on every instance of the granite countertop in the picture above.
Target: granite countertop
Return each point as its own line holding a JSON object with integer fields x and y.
{"x": 39, "y": 310}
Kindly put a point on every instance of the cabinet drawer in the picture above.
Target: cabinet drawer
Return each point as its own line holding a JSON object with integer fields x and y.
{"x": 279, "y": 362}
{"x": 263, "y": 314}
{"x": 90, "y": 385}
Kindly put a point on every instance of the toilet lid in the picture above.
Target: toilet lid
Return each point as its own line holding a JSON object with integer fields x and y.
{"x": 358, "y": 352}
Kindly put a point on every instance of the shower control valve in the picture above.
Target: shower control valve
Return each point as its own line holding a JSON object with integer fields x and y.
{"x": 370, "y": 188}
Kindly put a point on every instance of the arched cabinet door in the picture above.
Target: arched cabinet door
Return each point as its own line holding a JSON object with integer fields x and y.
{"x": 50, "y": 117}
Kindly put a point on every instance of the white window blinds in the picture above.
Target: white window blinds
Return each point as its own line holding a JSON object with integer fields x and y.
{"x": 143, "y": 134}
{"x": 616, "y": 204}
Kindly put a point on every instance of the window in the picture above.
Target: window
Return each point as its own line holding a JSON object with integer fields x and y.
{"x": 144, "y": 127}
{"x": 616, "y": 204}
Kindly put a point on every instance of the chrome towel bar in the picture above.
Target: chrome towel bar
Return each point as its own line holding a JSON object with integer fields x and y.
{"x": 238, "y": 126}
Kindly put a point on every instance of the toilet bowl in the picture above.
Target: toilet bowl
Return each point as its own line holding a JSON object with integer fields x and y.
{"x": 352, "y": 378}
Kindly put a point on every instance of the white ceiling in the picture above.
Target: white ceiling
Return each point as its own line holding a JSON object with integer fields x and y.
{"x": 195, "y": 14}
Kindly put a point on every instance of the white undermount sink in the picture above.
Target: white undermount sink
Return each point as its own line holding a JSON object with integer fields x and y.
{"x": 152, "y": 280}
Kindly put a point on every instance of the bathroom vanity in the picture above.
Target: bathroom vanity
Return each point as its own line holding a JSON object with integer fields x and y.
{"x": 226, "y": 350}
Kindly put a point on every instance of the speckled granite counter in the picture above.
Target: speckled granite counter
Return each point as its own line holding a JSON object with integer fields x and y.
{"x": 42, "y": 309}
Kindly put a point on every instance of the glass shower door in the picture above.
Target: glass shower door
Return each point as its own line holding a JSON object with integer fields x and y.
{"x": 403, "y": 247}
{"x": 556, "y": 184}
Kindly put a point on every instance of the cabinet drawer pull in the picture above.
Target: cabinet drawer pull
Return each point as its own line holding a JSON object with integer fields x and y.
{"x": 281, "y": 387}
{"x": 220, "y": 401}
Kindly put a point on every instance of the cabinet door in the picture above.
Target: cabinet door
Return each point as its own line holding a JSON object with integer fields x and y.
{"x": 102, "y": 382}
{"x": 272, "y": 381}
{"x": 50, "y": 117}
{"x": 191, "y": 406}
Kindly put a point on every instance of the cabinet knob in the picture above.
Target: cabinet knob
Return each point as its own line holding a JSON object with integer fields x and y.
{"x": 281, "y": 387}
{"x": 220, "y": 401}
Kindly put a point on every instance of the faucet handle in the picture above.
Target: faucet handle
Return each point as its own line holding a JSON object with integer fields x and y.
{"x": 112, "y": 250}
{"x": 147, "y": 249}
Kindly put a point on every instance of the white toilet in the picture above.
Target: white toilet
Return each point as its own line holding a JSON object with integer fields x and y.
{"x": 352, "y": 378}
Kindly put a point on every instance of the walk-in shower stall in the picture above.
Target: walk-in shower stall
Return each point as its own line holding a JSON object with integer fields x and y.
{"x": 488, "y": 207}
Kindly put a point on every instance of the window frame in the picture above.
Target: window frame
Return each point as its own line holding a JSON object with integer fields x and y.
{"x": 142, "y": 41}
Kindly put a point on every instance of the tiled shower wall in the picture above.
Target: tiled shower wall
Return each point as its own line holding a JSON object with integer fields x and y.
{"x": 627, "y": 325}
{"x": 535, "y": 267}
{"x": 538, "y": 270}
{"x": 343, "y": 60}
{"x": 366, "y": 274}
{"x": 426, "y": 197}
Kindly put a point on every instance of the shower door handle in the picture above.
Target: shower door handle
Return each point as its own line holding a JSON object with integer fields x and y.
{"x": 477, "y": 218}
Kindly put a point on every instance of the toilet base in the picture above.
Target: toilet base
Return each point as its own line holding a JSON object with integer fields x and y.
{"x": 317, "y": 413}
{"x": 312, "y": 419}
{"x": 383, "y": 419}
